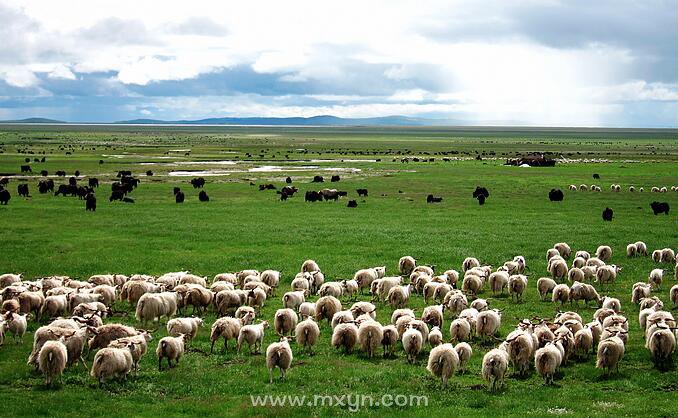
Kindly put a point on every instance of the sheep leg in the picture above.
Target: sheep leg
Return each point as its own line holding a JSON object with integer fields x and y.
{"x": 84, "y": 364}
{"x": 212, "y": 347}
{"x": 270, "y": 376}
{"x": 160, "y": 364}
{"x": 282, "y": 374}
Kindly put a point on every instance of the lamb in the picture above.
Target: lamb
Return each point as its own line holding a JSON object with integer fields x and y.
{"x": 307, "y": 334}
{"x": 345, "y": 335}
{"x": 406, "y": 264}
{"x": 640, "y": 291}
{"x": 455, "y": 302}
{"x": 284, "y": 321}
{"x": 398, "y": 296}
{"x": 469, "y": 263}
{"x": 307, "y": 309}
{"x": 413, "y": 342}
{"x": 443, "y": 361}
{"x": 662, "y": 344}
{"x": 226, "y": 327}
{"x": 498, "y": 281}
{"x": 561, "y": 293}
{"x": 113, "y": 362}
{"x": 389, "y": 340}
{"x": 171, "y": 348}
{"x": 292, "y": 300}
{"x": 545, "y": 285}
{"x": 460, "y": 330}
{"x": 278, "y": 355}
{"x": 370, "y": 336}
{"x": 655, "y": 278}
{"x": 186, "y": 326}
{"x": 547, "y": 360}
{"x": 104, "y": 334}
{"x": 557, "y": 268}
{"x": 610, "y": 352}
{"x": 563, "y": 249}
{"x": 495, "y": 365}
{"x": 604, "y": 252}
{"x": 517, "y": 285}
{"x": 138, "y": 349}
{"x": 326, "y": 307}
{"x": 52, "y": 360}
{"x": 253, "y": 335}
{"x": 471, "y": 284}
{"x": 433, "y": 315}
{"x": 153, "y": 306}
{"x": 54, "y": 305}
{"x": 607, "y": 274}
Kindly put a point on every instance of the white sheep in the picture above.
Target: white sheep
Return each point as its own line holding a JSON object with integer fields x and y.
{"x": 292, "y": 300}
{"x": 138, "y": 345}
{"x": 112, "y": 362}
{"x": 517, "y": 285}
{"x": 307, "y": 309}
{"x": 326, "y": 307}
{"x": 370, "y": 335}
{"x": 545, "y": 285}
{"x": 498, "y": 281}
{"x": 455, "y": 302}
{"x": 610, "y": 352}
{"x": 604, "y": 252}
{"x": 480, "y": 304}
{"x": 631, "y": 250}
{"x": 406, "y": 264}
{"x": 153, "y": 306}
{"x": 557, "y": 267}
{"x": 561, "y": 293}
{"x": 662, "y": 344}
{"x": 460, "y": 330}
{"x": 469, "y": 263}
{"x": 640, "y": 291}
{"x": 271, "y": 278}
{"x": 253, "y": 335}
{"x": 612, "y": 303}
{"x": 278, "y": 355}
{"x": 563, "y": 249}
{"x": 309, "y": 266}
{"x": 578, "y": 262}
{"x": 187, "y": 326}
{"x": 389, "y": 340}
{"x": 547, "y": 360}
{"x": 488, "y": 323}
{"x": 52, "y": 360}
{"x": 551, "y": 252}
{"x": 575, "y": 275}
{"x": 657, "y": 256}
{"x": 345, "y": 335}
{"x": 520, "y": 346}
{"x": 443, "y": 361}
{"x": 673, "y": 295}
{"x": 590, "y": 272}
{"x": 435, "y": 337}
{"x": 335, "y": 289}
{"x": 495, "y": 364}
{"x": 54, "y": 305}
{"x": 413, "y": 342}
{"x": 464, "y": 351}
{"x": 365, "y": 277}
{"x": 342, "y": 317}
{"x": 583, "y": 340}
{"x": 384, "y": 286}
{"x": 350, "y": 288}
{"x": 655, "y": 278}
{"x": 398, "y": 296}
{"x": 171, "y": 348}
{"x": 471, "y": 284}
{"x": 433, "y": 315}
{"x": 668, "y": 256}
{"x": 284, "y": 321}
{"x": 226, "y": 327}
{"x": 16, "y": 324}
{"x": 607, "y": 274}
{"x": 307, "y": 334}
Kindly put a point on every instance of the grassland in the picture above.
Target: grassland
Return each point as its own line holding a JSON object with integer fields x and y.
{"x": 242, "y": 227}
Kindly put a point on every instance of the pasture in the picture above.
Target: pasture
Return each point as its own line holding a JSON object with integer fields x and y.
{"x": 242, "y": 227}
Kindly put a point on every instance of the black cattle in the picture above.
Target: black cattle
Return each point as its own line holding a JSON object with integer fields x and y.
{"x": 26, "y": 169}
{"x": 149, "y": 173}
{"x": 318, "y": 179}
{"x": 607, "y": 214}
{"x": 123, "y": 173}
{"x": 202, "y": 196}
{"x": 596, "y": 176}
{"x": 77, "y": 173}
{"x": 90, "y": 202}
{"x": 352, "y": 204}
{"x": 313, "y": 196}
{"x": 288, "y": 180}
{"x": 45, "y": 186}
{"x": 61, "y": 173}
{"x": 198, "y": 182}
{"x": 284, "y": 196}
{"x": 660, "y": 207}
{"x": 72, "y": 181}
{"x": 179, "y": 197}
{"x": 101, "y": 161}
{"x": 432, "y": 199}
{"x": 130, "y": 181}
{"x": 268, "y": 186}
{"x": 481, "y": 191}
{"x": 176, "y": 190}
{"x": 44, "y": 173}
{"x": 556, "y": 195}
{"x": 116, "y": 195}
{"x": 67, "y": 190}
{"x": 361, "y": 192}
{"x": 342, "y": 193}
{"x": 288, "y": 191}
{"x": 83, "y": 191}
{"x": 4, "y": 196}
{"x": 22, "y": 190}
{"x": 335, "y": 179}
{"x": 93, "y": 182}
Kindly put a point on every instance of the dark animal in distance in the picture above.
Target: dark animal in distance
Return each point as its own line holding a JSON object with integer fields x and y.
{"x": 45, "y": 186}
{"x": 288, "y": 180}
{"x": 313, "y": 196}
{"x": 179, "y": 197}
{"x": 268, "y": 186}
{"x": 352, "y": 204}
{"x": 596, "y": 176}
{"x": 44, "y": 173}
{"x": 330, "y": 194}
{"x": 556, "y": 195}
{"x": 607, "y": 214}
{"x": 72, "y": 181}
{"x": 116, "y": 195}
{"x": 318, "y": 179}
{"x": 4, "y": 196}
{"x": 90, "y": 202}
{"x": 481, "y": 199}
{"x": 93, "y": 182}
{"x": 361, "y": 192}
{"x": 67, "y": 190}
{"x": 660, "y": 207}
{"x": 176, "y": 190}
{"x": 335, "y": 179}
{"x": 22, "y": 190}
{"x": 198, "y": 182}
{"x": 202, "y": 196}
{"x": 481, "y": 194}
{"x": 432, "y": 199}
{"x": 26, "y": 169}
{"x": 60, "y": 173}
{"x": 149, "y": 173}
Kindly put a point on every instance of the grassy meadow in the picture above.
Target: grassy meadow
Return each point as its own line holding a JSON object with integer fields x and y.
{"x": 242, "y": 227}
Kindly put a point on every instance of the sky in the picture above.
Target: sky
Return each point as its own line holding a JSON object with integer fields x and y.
{"x": 607, "y": 63}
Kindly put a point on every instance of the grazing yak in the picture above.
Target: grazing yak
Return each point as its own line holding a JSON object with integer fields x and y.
{"x": 22, "y": 190}
{"x": 179, "y": 197}
{"x": 26, "y": 169}
{"x": 361, "y": 192}
{"x": 60, "y": 173}
{"x": 432, "y": 199}
{"x": 330, "y": 194}
{"x": 116, "y": 195}
{"x": 607, "y": 214}
{"x": 45, "y": 186}
{"x": 197, "y": 182}
{"x": 90, "y": 202}
{"x": 4, "y": 196}
{"x": 67, "y": 190}
{"x": 556, "y": 195}
{"x": 313, "y": 196}
{"x": 596, "y": 176}
{"x": 44, "y": 173}
{"x": 149, "y": 173}
{"x": 318, "y": 179}
{"x": 202, "y": 196}
{"x": 660, "y": 207}
{"x": 481, "y": 194}
{"x": 335, "y": 179}
{"x": 288, "y": 180}
{"x": 93, "y": 182}
{"x": 352, "y": 204}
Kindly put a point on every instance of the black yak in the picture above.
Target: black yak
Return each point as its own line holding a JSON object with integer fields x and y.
{"x": 660, "y": 207}
{"x": 556, "y": 195}
{"x": 432, "y": 199}
{"x": 4, "y": 196}
{"x": 202, "y": 196}
{"x": 90, "y": 202}
{"x": 22, "y": 190}
{"x": 179, "y": 197}
{"x": 352, "y": 204}
{"x": 361, "y": 192}
{"x": 607, "y": 214}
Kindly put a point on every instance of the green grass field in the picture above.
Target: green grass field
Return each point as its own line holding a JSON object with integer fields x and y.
{"x": 242, "y": 227}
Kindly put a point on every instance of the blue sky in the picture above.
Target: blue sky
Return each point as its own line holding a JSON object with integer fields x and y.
{"x": 530, "y": 62}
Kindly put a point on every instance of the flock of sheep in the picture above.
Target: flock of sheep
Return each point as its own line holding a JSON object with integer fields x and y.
{"x": 76, "y": 310}
{"x": 617, "y": 188}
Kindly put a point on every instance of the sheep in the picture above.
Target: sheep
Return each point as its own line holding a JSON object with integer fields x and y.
{"x": 342, "y": 317}
{"x": 662, "y": 344}
{"x": 557, "y": 268}
{"x": 54, "y": 305}
{"x": 428, "y": 270}
{"x": 398, "y": 296}
{"x": 595, "y": 261}
{"x": 244, "y": 274}
{"x": 253, "y": 335}
{"x": 104, "y": 334}
{"x": 471, "y": 284}
{"x": 292, "y": 300}
{"x": 543, "y": 334}
{"x": 52, "y": 360}
{"x": 471, "y": 315}
{"x": 335, "y": 289}
{"x": 350, "y": 288}
{"x": 309, "y": 266}
{"x": 612, "y": 303}
{"x": 655, "y": 278}
{"x": 498, "y": 281}
{"x": 480, "y": 304}
{"x": 307, "y": 334}
{"x": 326, "y": 307}
{"x": 360, "y": 308}
{"x": 365, "y": 277}
{"x": 590, "y": 272}
{"x": 443, "y": 361}
{"x": 517, "y": 285}
{"x": 389, "y": 340}
{"x": 302, "y": 281}
{"x": 460, "y": 330}
{"x": 171, "y": 348}
{"x": 226, "y": 327}
{"x": 90, "y": 308}
{"x": 345, "y": 335}
{"x": 256, "y": 298}
{"x": 452, "y": 276}
{"x": 419, "y": 280}
{"x": 607, "y": 274}
{"x": 187, "y": 326}
{"x": 284, "y": 321}
{"x": 413, "y": 342}
{"x": 370, "y": 335}
{"x": 640, "y": 291}
{"x": 455, "y": 302}
{"x": 583, "y": 341}
{"x": 113, "y": 362}
{"x": 657, "y": 256}
{"x": 563, "y": 249}
{"x": 227, "y": 301}
{"x": 8, "y": 279}
{"x": 399, "y": 313}
{"x": 16, "y": 324}
{"x": 520, "y": 347}
{"x": 668, "y": 256}
{"x": 551, "y": 252}
{"x": 673, "y": 295}
{"x": 307, "y": 309}
{"x": 107, "y": 293}
{"x": 153, "y": 306}
{"x": 547, "y": 360}
{"x": 132, "y": 290}
{"x": 545, "y": 285}
{"x": 650, "y": 302}
{"x": 406, "y": 264}
{"x": 585, "y": 292}
{"x": 488, "y": 323}
{"x": 604, "y": 252}
{"x": 435, "y": 337}
{"x": 384, "y": 286}
{"x": 433, "y": 315}
{"x": 495, "y": 364}
{"x": 631, "y": 250}
{"x": 610, "y": 352}
{"x": 226, "y": 277}
{"x": 271, "y": 278}
{"x": 200, "y": 298}
{"x": 561, "y": 293}
{"x": 138, "y": 346}
{"x": 469, "y": 263}
{"x": 575, "y": 275}
{"x": 31, "y": 302}
{"x": 278, "y": 355}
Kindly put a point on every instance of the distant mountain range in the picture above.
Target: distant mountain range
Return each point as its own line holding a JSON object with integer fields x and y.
{"x": 323, "y": 120}
{"x": 33, "y": 120}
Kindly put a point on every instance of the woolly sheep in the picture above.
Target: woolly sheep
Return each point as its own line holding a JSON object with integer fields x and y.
{"x": 226, "y": 277}
{"x": 227, "y": 301}
{"x": 389, "y": 340}
{"x": 443, "y": 361}
{"x": 16, "y": 324}
{"x": 563, "y": 249}
{"x": 226, "y": 327}
{"x": 309, "y": 266}
{"x": 350, "y": 288}
{"x": 488, "y": 323}
{"x": 673, "y": 295}
{"x": 595, "y": 261}
{"x": 551, "y": 252}
{"x": 365, "y": 277}
{"x": 460, "y": 330}
{"x": 331, "y": 289}
{"x": 578, "y": 262}
{"x": 607, "y": 274}
{"x": 112, "y": 362}
{"x": 520, "y": 348}
{"x": 650, "y": 302}
{"x": 292, "y": 300}
{"x": 631, "y": 250}
{"x": 612, "y": 303}
{"x": 360, "y": 308}
{"x": 604, "y": 252}
{"x": 583, "y": 341}
{"x": 433, "y": 315}
{"x": 345, "y": 335}
{"x": 253, "y": 335}
{"x": 271, "y": 278}
{"x": 498, "y": 281}
{"x": 301, "y": 282}
{"x": 153, "y": 306}
{"x": 326, "y": 307}
{"x": 668, "y": 256}
{"x": 610, "y": 352}
{"x": 398, "y": 313}
{"x": 171, "y": 348}
{"x": 547, "y": 360}
{"x": 370, "y": 336}
{"x": 54, "y": 305}
{"x": 307, "y": 334}
{"x": 138, "y": 345}
{"x": 187, "y": 326}
{"x": 342, "y": 317}
{"x": 469, "y": 263}
{"x": 284, "y": 321}
{"x": 557, "y": 268}
{"x": 435, "y": 337}
{"x": 641, "y": 248}
{"x": 256, "y": 298}
{"x": 412, "y": 343}
{"x": 278, "y": 355}
{"x": 640, "y": 291}
{"x": 517, "y": 285}
{"x": 657, "y": 256}
{"x": 575, "y": 275}
{"x": 545, "y": 285}
{"x": 455, "y": 302}
{"x": 104, "y": 334}
{"x": 655, "y": 278}
{"x": 398, "y": 296}
{"x": 471, "y": 284}
{"x": 662, "y": 344}
{"x": 52, "y": 360}
{"x": 561, "y": 293}
{"x": 480, "y": 304}
{"x": 494, "y": 367}
{"x": 385, "y": 285}
{"x": 307, "y": 309}
{"x": 406, "y": 264}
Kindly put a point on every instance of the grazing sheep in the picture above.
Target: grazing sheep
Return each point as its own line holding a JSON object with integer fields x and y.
{"x": 662, "y": 344}
{"x": 138, "y": 349}
{"x": 309, "y": 266}
{"x": 641, "y": 248}
{"x": 480, "y": 304}
{"x": 668, "y": 256}
{"x": 471, "y": 315}
{"x": 307, "y": 334}
{"x": 612, "y": 303}
{"x": 595, "y": 261}
{"x": 578, "y": 262}
{"x": 460, "y": 330}
{"x": 455, "y": 302}
{"x": 673, "y": 295}
{"x": 575, "y": 275}
{"x": 435, "y": 337}
{"x": 187, "y": 326}
{"x": 113, "y": 362}
{"x": 153, "y": 306}
{"x": 443, "y": 361}
{"x": 292, "y": 300}
{"x": 583, "y": 341}
{"x": 226, "y": 327}
{"x": 54, "y": 305}
{"x": 226, "y": 277}
{"x": 657, "y": 256}
{"x": 326, "y": 307}
{"x": 271, "y": 278}
{"x": 87, "y": 308}
{"x": 551, "y": 252}
{"x": 488, "y": 323}
{"x": 350, "y": 288}
{"x": 607, "y": 274}
{"x": 413, "y": 342}
{"x": 655, "y": 278}
{"x": 307, "y": 309}
{"x": 547, "y": 360}
{"x": 31, "y": 302}
{"x": 433, "y": 315}
{"x": 365, "y": 277}
{"x": 561, "y": 293}
{"x": 604, "y": 253}
{"x": 52, "y": 360}
{"x": 563, "y": 249}
{"x": 398, "y": 296}
{"x": 590, "y": 272}
{"x": 104, "y": 334}
{"x": 469, "y": 263}
{"x": 228, "y": 301}
{"x": 301, "y": 282}
{"x": 545, "y": 285}
{"x": 384, "y": 286}
{"x": 370, "y": 335}
{"x": 16, "y": 324}
{"x": 171, "y": 348}
{"x": 557, "y": 267}
{"x": 284, "y": 321}
{"x": 278, "y": 355}
{"x": 253, "y": 335}
{"x": 498, "y": 281}
{"x": 360, "y": 308}
{"x": 335, "y": 289}
{"x": 495, "y": 365}
{"x": 471, "y": 284}
{"x": 389, "y": 340}
{"x": 640, "y": 291}
{"x": 517, "y": 285}
{"x": 610, "y": 352}
{"x": 345, "y": 335}
{"x": 406, "y": 264}
{"x": 631, "y": 250}
{"x": 342, "y": 317}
